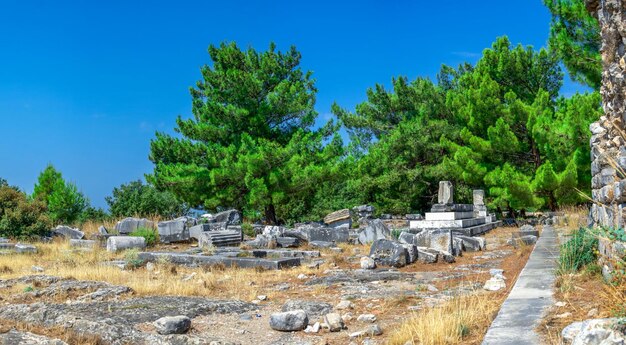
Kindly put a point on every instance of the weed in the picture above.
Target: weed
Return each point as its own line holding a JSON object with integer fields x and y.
{"x": 579, "y": 251}
{"x": 150, "y": 235}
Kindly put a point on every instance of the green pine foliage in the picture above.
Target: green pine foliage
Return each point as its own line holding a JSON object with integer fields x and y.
{"x": 64, "y": 202}
{"x": 143, "y": 200}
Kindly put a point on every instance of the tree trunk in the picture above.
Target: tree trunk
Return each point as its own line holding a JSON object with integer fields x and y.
{"x": 270, "y": 215}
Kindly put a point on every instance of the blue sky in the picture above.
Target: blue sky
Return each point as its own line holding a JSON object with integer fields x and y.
{"x": 84, "y": 86}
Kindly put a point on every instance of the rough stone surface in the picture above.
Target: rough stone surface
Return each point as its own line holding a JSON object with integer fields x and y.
{"x": 595, "y": 331}
{"x": 172, "y": 324}
{"x": 313, "y": 309}
{"x": 389, "y": 253}
{"x": 118, "y": 243}
{"x": 26, "y": 338}
{"x": 176, "y": 230}
{"x": 374, "y": 230}
{"x": 446, "y": 193}
{"x": 288, "y": 321}
{"x": 522, "y": 240}
{"x": 341, "y": 218}
{"x": 367, "y": 263}
{"x": 334, "y": 322}
{"x": 83, "y": 243}
{"x": 229, "y": 217}
{"x": 68, "y": 232}
{"x": 128, "y": 225}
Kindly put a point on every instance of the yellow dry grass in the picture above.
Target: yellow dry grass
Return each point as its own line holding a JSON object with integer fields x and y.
{"x": 453, "y": 322}
{"x": 59, "y": 259}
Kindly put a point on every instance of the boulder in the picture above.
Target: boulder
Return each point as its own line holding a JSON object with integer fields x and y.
{"x": 371, "y": 318}
{"x": 374, "y": 230}
{"x": 339, "y": 219}
{"x": 334, "y": 322}
{"x": 494, "y": 284}
{"x": 118, "y": 243}
{"x": 427, "y": 255}
{"x": 295, "y": 320}
{"x": 68, "y": 232}
{"x": 102, "y": 231}
{"x": 594, "y": 331}
{"x": 176, "y": 230}
{"x": 364, "y": 211}
{"x": 523, "y": 240}
{"x": 368, "y": 263}
{"x": 128, "y": 225}
{"x": 230, "y": 217}
{"x": 411, "y": 250}
{"x": 25, "y": 248}
{"x": 389, "y": 253}
{"x": 472, "y": 244}
{"x": 172, "y": 325}
{"x": 313, "y": 309}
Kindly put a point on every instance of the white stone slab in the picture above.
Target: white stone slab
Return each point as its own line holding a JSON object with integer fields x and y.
{"x": 448, "y": 215}
{"x": 446, "y": 224}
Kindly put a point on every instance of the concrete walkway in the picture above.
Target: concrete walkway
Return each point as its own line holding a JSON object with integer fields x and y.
{"x": 523, "y": 309}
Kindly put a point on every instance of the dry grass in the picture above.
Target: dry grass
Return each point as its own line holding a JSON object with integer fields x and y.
{"x": 575, "y": 218}
{"x": 165, "y": 279}
{"x": 55, "y": 332}
{"x": 453, "y": 322}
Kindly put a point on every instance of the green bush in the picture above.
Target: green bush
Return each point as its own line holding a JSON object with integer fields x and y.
{"x": 151, "y": 235}
{"x": 20, "y": 217}
{"x": 248, "y": 230}
{"x": 580, "y": 251}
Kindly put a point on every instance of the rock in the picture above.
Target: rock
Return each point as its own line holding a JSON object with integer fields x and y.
{"x": 564, "y": 315}
{"x": 427, "y": 255}
{"x": 413, "y": 216}
{"x": 368, "y": 263}
{"x": 411, "y": 251}
{"x": 389, "y": 253}
{"x": 21, "y": 248}
{"x": 321, "y": 244}
{"x": 594, "y": 331}
{"x": 102, "y": 231}
{"x": 176, "y": 230}
{"x": 347, "y": 317}
{"x": 37, "y": 269}
{"x": 287, "y": 242}
{"x": 313, "y": 329}
{"x": 560, "y": 304}
{"x": 172, "y": 324}
{"x": 592, "y": 312}
{"x": 68, "y": 232}
{"x": 339, "y": 219}
{"x": 472, "y": 244}
{"x": 26, "y": 338}
{"x": 494, "y": 284}
{"x": 366, "y": 318}
{"x": 150, "y": 267}
{"x": 302, "y": 276}
{"x": 525, "y": 240}
{"x": 295, "y": 320}
{"x": 326, "y": 234}
{"x": 229, "y": 217}
{"x": 128, "y": 225}
{"x": 374, "y": 330}
{"x": 374, "y": 230}
{"x": 344, "y": 304}
{"x": 118, "y": 243}
{"x": 334, "y": 322}
{"x": 313, "y": 309}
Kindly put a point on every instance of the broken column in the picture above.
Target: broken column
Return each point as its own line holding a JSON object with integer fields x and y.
{"x": 118, "y": 243}
{"x": 478, "y": 196}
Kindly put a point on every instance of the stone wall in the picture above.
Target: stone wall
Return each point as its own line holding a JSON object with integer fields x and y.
{"x": 608, "y": 152}
{"x": 612, "y": 255}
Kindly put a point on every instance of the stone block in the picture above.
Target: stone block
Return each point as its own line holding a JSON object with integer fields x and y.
{"x": 478, "y": 197}
{"x": 196, "y": 230}
{"x": 21, "y": 248}
{"x": 374, "y": 230}
{"x": 325, "y": 234}
{"x": 68, "y": 232}
{"x": 341, "y": 218}
{"x": 287, "y": 242}
{"x": 389, "y": 253}
{"x": 472, "y": 244}
{"x": 118, "y": 243}
{"x": 128, "y": 225}
{"x": 175, "y": 230}
{"x": 452, "y": 208}
{"x": 445, "y": 195}
{"x": 448, "y": 215}
{"x": 427, "y": 255}
{"x": 229, "y": 217}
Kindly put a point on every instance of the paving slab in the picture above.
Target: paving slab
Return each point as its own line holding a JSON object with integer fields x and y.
{"x": 530, "y": 298}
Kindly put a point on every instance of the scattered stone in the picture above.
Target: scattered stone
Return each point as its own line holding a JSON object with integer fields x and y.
{"x": 37, "y": 269}
{"x": 592, "y": 312}
{"x": 68, "y": 232}
{"x": 295, "y": 320}
{"x": 287, "y": 242}
{"x": 344, "y": 304}
{"x": 302, "y": 276}
{"x": 560, "y": 304}
{"x": 347, "y": 317}
{"x": 261, "y": 297}
{"x": 339, "y": 219}
{"x": 389, "y": 253}
{"x": 172, "y": 325}
{"x": 128, "y": 225}
{"x": 526, "y": 240}
{"x": 368, "y": 263}
{"x": 494, "y": 284}
{"x": 321, "y": 244}
{"x": 176, "y": 230}
{"x": 472, "y": 244}
{"x": 26, "y": 338}
{"x": 229, "y": 217}
{"x": 334, "y": 322}
{"x": 313, "y": 309}
{"x": 118, "y": 243}
{"x": 189, "y": 277}
{"x": 150, "y": 267}
{"x": 220, "y": 238}
{"x": 102, "y": 231}
{"x": 25, "y": 248}
{"x": 427, "y": 255}
{"x": 374, "y": 230}
{"x": 313, "y": 329}
{"x": 564, "y": 315}
{"x": 367, "y": 318}
{"x": 594, "y": 331}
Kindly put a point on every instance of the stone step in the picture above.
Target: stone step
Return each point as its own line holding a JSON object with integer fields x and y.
{"x": 446, "y": 224}
{"x": 478, "y": 229}
{"x": 219, "y": 238}
{"x": 448, "y": 215}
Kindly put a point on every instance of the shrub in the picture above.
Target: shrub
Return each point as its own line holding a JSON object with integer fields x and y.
{"x": 150, "y": 235}
{"x": 20, "y": 217}
{"x": 143, "y": 200}
{"x": 248, "y": 230}
{"x": 579, "y": 251}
